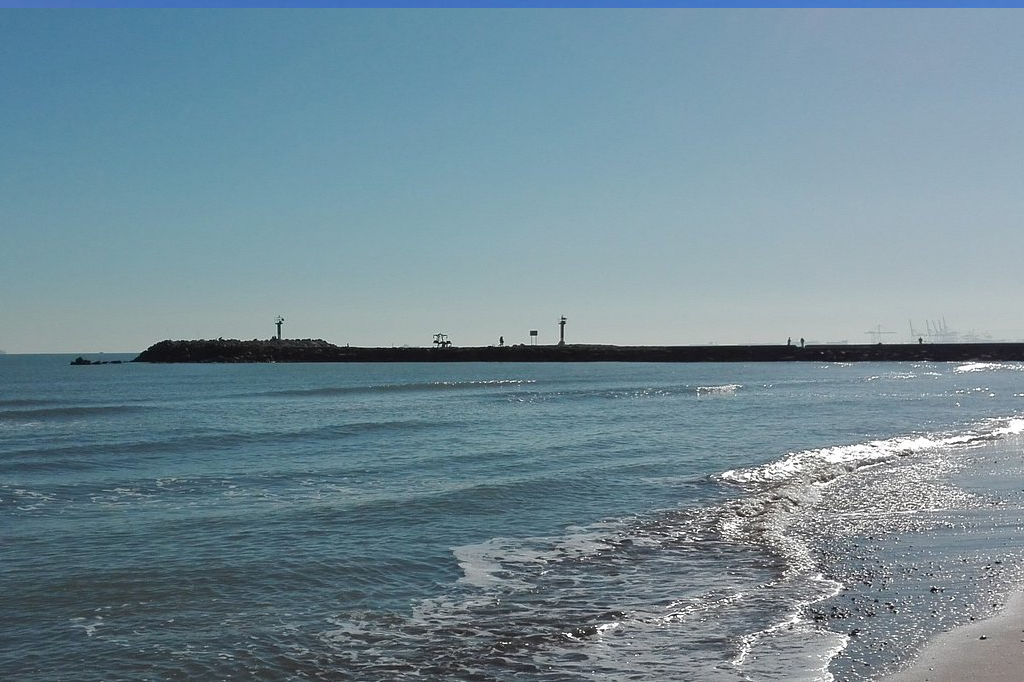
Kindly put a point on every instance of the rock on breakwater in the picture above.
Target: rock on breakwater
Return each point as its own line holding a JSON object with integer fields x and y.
{"x": 233, "y": 350}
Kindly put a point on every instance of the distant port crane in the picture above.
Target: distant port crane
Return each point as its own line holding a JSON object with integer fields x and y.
{"x": 876, "y": 333}
{"x": 937, "y": 331}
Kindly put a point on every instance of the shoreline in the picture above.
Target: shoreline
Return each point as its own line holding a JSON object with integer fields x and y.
{"x": 991, "y": 650}
{"x": 317, "y": 350}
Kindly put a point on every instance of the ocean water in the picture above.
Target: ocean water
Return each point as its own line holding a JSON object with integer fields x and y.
{"x": 500, "y": 521}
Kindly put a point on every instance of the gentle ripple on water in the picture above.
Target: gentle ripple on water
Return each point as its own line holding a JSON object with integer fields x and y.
{"x": 642, "y": 522}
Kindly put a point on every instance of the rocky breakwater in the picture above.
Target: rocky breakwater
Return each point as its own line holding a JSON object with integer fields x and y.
{"x": 233, "y": 350}
{"x": 316, "y": 350}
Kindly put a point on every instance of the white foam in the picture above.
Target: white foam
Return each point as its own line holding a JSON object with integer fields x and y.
{"x": 814, "y": 648}
{"x": 724, "y": 389}
{"x": 1013, "y": 428}
{"x": 89, "y": 628}
{"x": 988, "y": 367}
{"x": 483, "y": 566}
{"x": 845, "y": 457}
{"x": 893, "y": 376}
{"x": 680, "y": 611}
{"x": 824, "y": 464}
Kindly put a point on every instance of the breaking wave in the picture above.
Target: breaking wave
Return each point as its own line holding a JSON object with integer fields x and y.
{"x": 823, "y": 464}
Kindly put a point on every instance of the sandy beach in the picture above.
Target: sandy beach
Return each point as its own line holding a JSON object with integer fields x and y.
{"x": 985, "y": 651}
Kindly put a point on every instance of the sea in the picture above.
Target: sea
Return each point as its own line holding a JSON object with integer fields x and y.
{"x": 497, "y": 522}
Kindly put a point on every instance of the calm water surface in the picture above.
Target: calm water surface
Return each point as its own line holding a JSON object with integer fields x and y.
{"x": 500, "y": 521}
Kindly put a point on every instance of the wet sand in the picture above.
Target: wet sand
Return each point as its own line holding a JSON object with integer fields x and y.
{"x": 985, "y": 651}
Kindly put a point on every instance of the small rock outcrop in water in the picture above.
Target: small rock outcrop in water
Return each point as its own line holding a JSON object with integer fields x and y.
{"x": 317, "y": 350}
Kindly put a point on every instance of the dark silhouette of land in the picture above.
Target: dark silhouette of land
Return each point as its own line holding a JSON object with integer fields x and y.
{"x": 80, "y": 361}
{"x": 315, "y": 350}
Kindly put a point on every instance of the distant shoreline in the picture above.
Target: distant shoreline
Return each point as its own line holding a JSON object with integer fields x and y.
{"x": 313, "y": 350}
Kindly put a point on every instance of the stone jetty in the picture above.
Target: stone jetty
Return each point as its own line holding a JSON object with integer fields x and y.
{"x": 316, "y": 350}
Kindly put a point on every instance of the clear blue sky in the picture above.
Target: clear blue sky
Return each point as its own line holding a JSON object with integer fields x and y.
{"x": 656, "y": 176}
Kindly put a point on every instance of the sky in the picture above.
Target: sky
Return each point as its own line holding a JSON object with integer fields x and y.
{"x": 670, "y": 176}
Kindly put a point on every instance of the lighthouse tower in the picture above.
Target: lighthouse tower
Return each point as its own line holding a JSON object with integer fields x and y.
{"x": 561, "y": 331}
